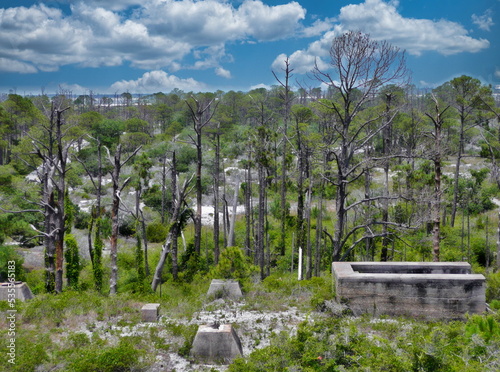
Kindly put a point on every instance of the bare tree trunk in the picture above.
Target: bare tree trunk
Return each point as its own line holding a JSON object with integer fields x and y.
{"x": 319, "y": 223}
{"x": 386, "y": 150}
{"x": 248, "y": 209}
{"x": 161, "y": 263}
{"x": 283, "y": 190}
{"x": 457, "y": 175}
{"x": 436, "y": 230}
{"x": 341, "y": 214}
{"x": 437, "y": 120}
{"x": 368, "y": 218}
{"x": 174, "y": 233}
{"x": 49, "y": 243}
{"x": 113, "y": 281}
{"x": 261, "y": 221}
{"x": 197, "y": 216}
{"x": 201, "y": 116}
{"x": 163, "y": 188}
{"x": 233, "y": 216}
{"x": 115, "y": 175}
{"x": 498, "y": 242}
{"x": 170, "y": 245}
{"x": 309, "y": 258}
{"x": 216, "y": 196}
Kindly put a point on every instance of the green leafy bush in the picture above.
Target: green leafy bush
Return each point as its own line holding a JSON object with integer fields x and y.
{"x": 122, "y": 357}
{"x": 233, "y": 264}
{"x": 72, "y": 257}
{"x": 8, "y": 256}
{"x": 156, "y": 232}
{"x": 493, "y": 286}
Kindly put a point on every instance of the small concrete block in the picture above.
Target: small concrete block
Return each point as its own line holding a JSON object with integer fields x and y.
{"x": 150, "y": 312}
{"x": 216, "y": 344}
{"x": 221, "y": 288}
{"x": 23, "y": 292}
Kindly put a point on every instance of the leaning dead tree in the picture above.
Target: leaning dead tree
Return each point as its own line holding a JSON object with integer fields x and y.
{"x": 361, "y": 66}
{"x": 180, "y": 216}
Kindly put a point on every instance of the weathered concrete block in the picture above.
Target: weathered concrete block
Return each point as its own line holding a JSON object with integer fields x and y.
{"x": 22, "y": 291}
{"x": 221, "y": 288}
{"x": 150, "y": 312}
{"x": 441, "y": 290}
{"x": 216, "y": 344}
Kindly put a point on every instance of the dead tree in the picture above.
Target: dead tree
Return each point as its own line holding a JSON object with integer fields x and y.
{"x": 180, "y": 215}
{"x": 437, "y": 118}
{"x": 201, "y": 113}
{"x": 96, "y": 214}
{"x": 287, "y": 98}
{"x": 117, "y": 163}
{"x": 53, "y": 151}
{"x": 361, "y": 67}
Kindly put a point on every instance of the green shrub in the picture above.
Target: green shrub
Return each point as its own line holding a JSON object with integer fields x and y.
{"x": 495, "y": 305}
{"x": 191, "y": 264}
{"x": 10, "y": 258}
{"x": 36, "y": 281}
{"x": 189, "y": 333}
{"x": 122, "y": 357}
{"x": 82, "y": 220}
{"x": 31, "y": 351}
{"x": 156, "y": 232}
{"x": 233, "y": 264}
{"x": 72, "y": 257}
{"x": 127, "y": 227}
{"x": 485, "y": 326}
{"x": 493, "y": 286}
{"x": 6, "y": 172}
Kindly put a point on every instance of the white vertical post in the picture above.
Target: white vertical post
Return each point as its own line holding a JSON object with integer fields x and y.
{"x": 300, "y": 264}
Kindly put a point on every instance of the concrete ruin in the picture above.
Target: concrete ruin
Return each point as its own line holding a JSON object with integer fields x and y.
{"x": 427, "y": 290}
{"x": 216, "y": 344}
{"x": 150, "y": 312}
{"x": 23, "y": 292}
{"x": 224, "y": 288}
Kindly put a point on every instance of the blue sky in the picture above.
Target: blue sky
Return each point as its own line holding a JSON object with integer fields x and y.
{"x": 147, "y": 46}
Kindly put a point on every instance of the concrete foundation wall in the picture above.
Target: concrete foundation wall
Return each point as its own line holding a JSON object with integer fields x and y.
{"x": 225, "y": 288}
{"x": 23, "y": 292}
{"x": 219, "y": 344}
{"x": 423, "y": 290}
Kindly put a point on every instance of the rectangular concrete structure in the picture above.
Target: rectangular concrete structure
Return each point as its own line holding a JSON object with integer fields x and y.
{"x": 22, "y": 291}
{"x": 218, "y": 344}
{"x": 225, "y": 288}
{"x": 427, "y": 290}
{"x": 150, "y": 312}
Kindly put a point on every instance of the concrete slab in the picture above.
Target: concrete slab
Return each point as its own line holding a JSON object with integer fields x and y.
{"x": 150, "y": 312}
{"x": 216, "y": 344}
{"x": 429, "y": 290}
{"x": 225, "y": 288}
{"x": 23, "y": 292}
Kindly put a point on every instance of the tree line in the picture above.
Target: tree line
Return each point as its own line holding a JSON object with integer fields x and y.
{"x": 356, "y": 169}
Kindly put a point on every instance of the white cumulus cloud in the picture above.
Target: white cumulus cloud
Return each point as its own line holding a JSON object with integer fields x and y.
{"x": 219, "y": 71}
{"x": 156, "y": 81}
{"x": 150, "y": 34}
{"x": 382, "y": 21}
{"x": 16, "y": 66}
{"x": 485, "y": 21}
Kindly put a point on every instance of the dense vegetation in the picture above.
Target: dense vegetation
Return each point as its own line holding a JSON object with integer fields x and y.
{"x": 369, "y": 169}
